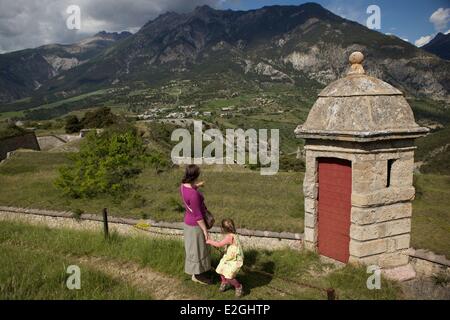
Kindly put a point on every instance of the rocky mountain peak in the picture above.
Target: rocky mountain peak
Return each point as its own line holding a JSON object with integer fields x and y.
{"x": 113, "y": 35}
{"x": 439, "y": 36}
{"x": 439, "y": 45}
{"x": 287, "y": 44}
{"x": 203, "y": 9}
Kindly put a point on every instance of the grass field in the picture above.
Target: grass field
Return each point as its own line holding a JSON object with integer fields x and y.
{"x": 10, "y": 114}
{"x": 34, "y": 260}
{"x": 28, "y": 181}
{"x": 72, "y": 99}
{"x": 241, "y": 194}
{"x": 431, "y": 213}
{"x": 115, "y": 108}
{"x": 36, "y": 275}
{"x": 434, "y": 152}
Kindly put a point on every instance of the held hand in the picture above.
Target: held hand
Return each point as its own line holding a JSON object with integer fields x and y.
{"x": 206, "y": 234}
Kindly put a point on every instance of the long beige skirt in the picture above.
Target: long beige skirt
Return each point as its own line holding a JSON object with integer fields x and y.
{"x": 198, "y": 256}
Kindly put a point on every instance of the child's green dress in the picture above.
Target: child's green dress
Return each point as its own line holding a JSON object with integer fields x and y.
{"x": 232, "y": 261}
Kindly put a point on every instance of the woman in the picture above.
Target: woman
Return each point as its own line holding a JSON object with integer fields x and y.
{"x": 198, "y": 259}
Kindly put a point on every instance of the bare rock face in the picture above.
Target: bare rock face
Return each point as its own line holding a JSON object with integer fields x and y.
{"x": 33, "y": 68}
{"x": 418, "y": 76}
{"x": 61, "y": 64}
{"x": 265, "y": 69}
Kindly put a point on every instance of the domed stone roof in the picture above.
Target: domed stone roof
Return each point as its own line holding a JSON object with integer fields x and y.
{"x": 360, "y": 108}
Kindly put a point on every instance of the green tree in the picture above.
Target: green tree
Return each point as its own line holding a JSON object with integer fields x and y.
{"x": 105, "y": 164}
{"x": 9, "y": 129}
{"x": 73, "y": 124}
{"x": 99, "y": 118}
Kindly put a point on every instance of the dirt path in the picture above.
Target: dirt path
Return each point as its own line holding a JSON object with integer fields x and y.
{"x": 424, "y": 289}
{"x": 157, "y": 285}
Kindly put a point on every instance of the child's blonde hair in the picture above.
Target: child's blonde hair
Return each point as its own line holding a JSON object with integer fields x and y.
{"x": 228, "y": 226}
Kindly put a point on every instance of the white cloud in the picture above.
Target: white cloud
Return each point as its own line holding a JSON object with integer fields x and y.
{"x": 440, "y": 18}
{"x": 423, "y": 40}
{"x": 31, "y": 23}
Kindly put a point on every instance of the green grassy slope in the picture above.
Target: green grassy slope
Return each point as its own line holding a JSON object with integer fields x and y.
{"x": 283, "y": 269}
{"x": 28, "y": 181}
{"x": 256, "y": 202}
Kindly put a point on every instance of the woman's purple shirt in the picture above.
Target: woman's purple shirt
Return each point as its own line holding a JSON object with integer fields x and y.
{"x": 195, "y": 201}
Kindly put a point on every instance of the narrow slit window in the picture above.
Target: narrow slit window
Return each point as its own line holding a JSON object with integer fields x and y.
{"x": 390, "y": 162}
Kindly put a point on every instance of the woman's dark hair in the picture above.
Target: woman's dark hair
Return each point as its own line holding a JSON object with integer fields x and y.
{"x": 228, "y": 226}
{"x": 191, "y": 173}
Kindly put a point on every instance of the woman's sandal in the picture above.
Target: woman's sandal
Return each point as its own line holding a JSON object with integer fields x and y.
{"x": 201, "y": 281}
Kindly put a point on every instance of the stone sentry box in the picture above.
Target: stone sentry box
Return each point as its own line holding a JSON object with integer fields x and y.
{"x": 363, "y": 128}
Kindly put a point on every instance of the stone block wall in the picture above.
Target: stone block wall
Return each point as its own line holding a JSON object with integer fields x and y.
{"x": 49, "y": 142}
{"x": 25, "y": 141}
{"x": 382, "y": 191}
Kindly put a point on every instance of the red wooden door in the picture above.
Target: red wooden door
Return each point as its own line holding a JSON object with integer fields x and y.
{"x": 334, "y": 205}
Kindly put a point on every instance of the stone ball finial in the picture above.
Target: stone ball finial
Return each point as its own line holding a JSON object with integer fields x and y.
{"x": 356, "y": 59}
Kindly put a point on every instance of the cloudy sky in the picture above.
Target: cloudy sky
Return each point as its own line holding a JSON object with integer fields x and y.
{"x": 31, "y": 23}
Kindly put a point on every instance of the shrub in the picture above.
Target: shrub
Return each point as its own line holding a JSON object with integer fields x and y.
{"x": 286, "y": 163}
{"x": 291, "y": 163}
{"x": 105, "y": 164}
{"x": 158, "y": 160}
{"x": 73, "y": 124}
{"x": 99, "y": 118}
{"x": 9, "y": 129}
{"x": 161, "y": 132}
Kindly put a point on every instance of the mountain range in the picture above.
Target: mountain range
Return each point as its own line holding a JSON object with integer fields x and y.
{"x": 440, "y": 46}
{"x": 287, "y": 45}
{"x": 23, "y": 72}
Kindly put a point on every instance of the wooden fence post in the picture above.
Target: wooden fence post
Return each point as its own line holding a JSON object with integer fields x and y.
{"x": 105, "y": 223}
{"x": 331, "y": 294}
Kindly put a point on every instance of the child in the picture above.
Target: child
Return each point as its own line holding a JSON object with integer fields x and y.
{"x": 233, "y": 259}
